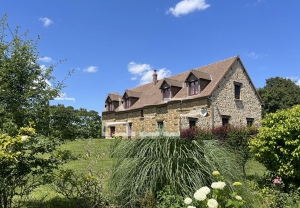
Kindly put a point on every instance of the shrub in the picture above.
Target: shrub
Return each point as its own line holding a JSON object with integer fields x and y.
{"x": 277, "y": 144}
{"x": 26, "y": 161}
{"x": 188, "y": 134}
{"x": 82, "y": 190}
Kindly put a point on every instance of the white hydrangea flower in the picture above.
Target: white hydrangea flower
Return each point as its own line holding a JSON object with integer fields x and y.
{"x": 191, "y": 207}
{"x": 204, "y": 190}
{"x": 237, "y": 197}
{"x": 24, "y": 138}
{"x": 188, "y": 200}
{"x": 200, "y": 196}
{"x": 212, "y": 203}
{"x": 218, "y": 185}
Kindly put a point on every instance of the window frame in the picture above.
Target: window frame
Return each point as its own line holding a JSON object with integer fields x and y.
{"x": 225, "y": 121}
{"x": 193, "y": 87}
{"x": 237, "y": 90}
{"x": 250, "y": 121}
{"x": 160, "y": 125}
{"x": 110, "y": 106}
{"x": 127, "y": 103}
{"x": 167, "y": 91}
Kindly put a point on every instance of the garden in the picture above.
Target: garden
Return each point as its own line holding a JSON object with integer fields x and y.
{"x": 53, "y": 156}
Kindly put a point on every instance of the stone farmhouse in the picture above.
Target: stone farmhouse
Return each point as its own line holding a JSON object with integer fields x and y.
{"x": 218, "y": 94}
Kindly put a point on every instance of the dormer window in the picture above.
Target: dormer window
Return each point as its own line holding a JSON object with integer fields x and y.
{"x": 167, "y": 92}
{"x": 193, "y": 88}
{"x": 110, "y": 106}
{"x": 127, "y": 103}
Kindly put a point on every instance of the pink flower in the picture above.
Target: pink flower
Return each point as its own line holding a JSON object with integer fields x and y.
{"x": 277, "y": 180}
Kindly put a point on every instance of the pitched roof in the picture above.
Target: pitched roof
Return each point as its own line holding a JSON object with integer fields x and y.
{"x": 151, "y": 95}
{"x": 114, "y": 96}
{"x": 131, "y": 93}
{"x": 201, "y": 75}
{"x": 172, "y": 82}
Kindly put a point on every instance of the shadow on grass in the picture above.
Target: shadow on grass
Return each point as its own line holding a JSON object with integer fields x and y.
{"x": 56, "y": 202}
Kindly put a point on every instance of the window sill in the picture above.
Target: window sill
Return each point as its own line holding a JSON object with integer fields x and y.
{"x": 238, "y": 99}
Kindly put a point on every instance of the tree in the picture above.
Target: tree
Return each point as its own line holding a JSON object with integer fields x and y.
{"x": 25, "y": 87}
{"x": 27, "y": 160}
{"x": 279, "y": 93}
{"x": 70, "y": 123}
{"x": 277, "y": 144}
{"x": 26, "y": 155}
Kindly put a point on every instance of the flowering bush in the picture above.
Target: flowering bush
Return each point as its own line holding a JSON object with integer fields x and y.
{"x": 218, "y": 196}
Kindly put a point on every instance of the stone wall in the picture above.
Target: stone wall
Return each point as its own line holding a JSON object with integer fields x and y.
{"x": 224, "y": 102}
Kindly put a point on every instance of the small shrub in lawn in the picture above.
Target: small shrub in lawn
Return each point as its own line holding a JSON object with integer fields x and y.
{"x": 188, "y": 134}
{"x": 83, "y": 190}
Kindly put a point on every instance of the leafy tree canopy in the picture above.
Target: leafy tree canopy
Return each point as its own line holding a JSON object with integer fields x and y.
{"x": 277, "y": 145}
{"x": 25, "y": 87}
{"x": 279, "y": 93}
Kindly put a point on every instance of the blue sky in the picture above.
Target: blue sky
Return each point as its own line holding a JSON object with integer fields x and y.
{"x": 115, "y": 45}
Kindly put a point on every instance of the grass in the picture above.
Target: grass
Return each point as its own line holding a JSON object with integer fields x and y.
{"x": 93, "y": 156}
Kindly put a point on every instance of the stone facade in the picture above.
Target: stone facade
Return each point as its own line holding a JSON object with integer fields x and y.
{"x": 204, "y": 111}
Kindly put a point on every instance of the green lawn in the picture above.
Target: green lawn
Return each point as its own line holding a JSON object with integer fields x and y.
{"x": 93, "y": 156}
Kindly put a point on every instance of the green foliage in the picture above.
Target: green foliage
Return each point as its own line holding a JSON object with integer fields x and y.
{"x": 25, "y": 87}
{"x": 26, "y": 161}
{"x": 152, "y": 163}
{"x": 167, "y": 198}
{"x": 82, "y": 190}
{"x": 69, "y": 123}
{"x": 220, "y": 194}
{"x": 235, "y": 138}
{"x": 277, "y": 145}
{"x": 279, "y": 93}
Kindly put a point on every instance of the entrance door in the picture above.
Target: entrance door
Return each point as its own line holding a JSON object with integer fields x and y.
{"x": 129, "y": 130}
{"x": 112, "y": 131}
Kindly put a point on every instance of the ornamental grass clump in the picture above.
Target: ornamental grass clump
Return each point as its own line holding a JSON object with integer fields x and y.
{"x": 220, "y": 195}
{"x": 151, "y": 163}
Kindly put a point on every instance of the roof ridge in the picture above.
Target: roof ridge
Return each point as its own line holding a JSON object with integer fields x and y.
{"x": 216, "y": 62}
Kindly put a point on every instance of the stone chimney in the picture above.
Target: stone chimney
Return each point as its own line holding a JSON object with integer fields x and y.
{"x": 154, "y": 78}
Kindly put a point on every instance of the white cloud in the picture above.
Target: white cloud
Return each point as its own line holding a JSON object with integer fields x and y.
{"x": 91, "y": 69}
{"x": 185, "y": 7}
{"x": 252, "y": 55}
{"x": 144, "y": 72}
{"x": 45, "y": 59}
{"x": 43, "y": 67}
{"x": 139, "y": 69}
{"x": 46, "y": 21}
{"x": 63, "y": 96}
{"x": 295, "y": 79}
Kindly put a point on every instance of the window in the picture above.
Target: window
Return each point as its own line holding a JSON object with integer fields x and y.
{"x": 193, "y": 88}
{"x": 160, "y": 124}
{"x": 237, "y": 90}
{"x": 110, "y": 106}
{"x": 192, "y": 122}
{"x": 250, "y": 121}
{"x": 112, "y": 131}
{"x": 225, "y": 121}
{"x": 166, "y": 92}
{"x": 142, "y": 113}
{"x": 127, "y": 103}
